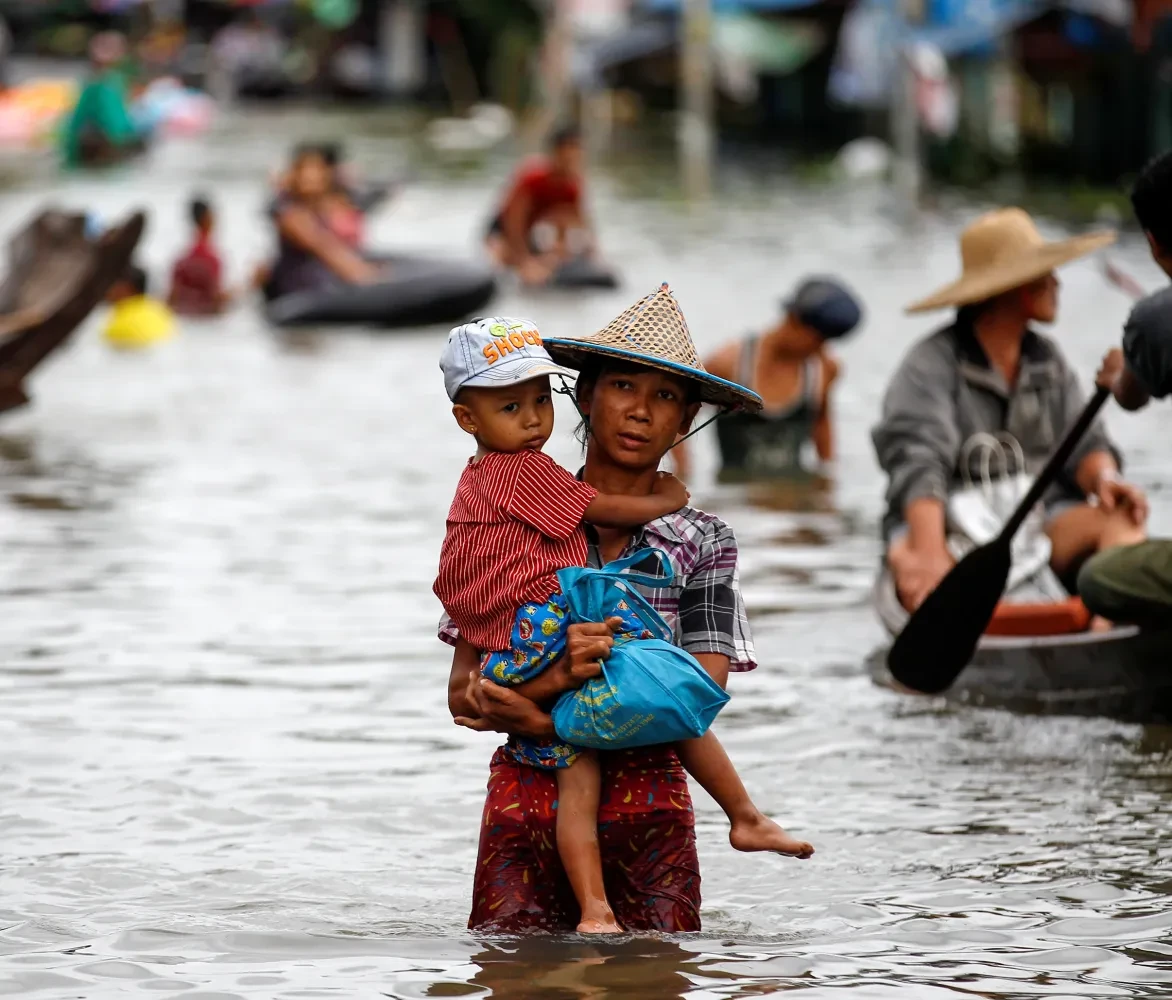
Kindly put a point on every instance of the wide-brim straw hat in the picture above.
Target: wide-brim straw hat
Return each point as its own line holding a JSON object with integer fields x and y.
{"x": 1003, "y": 250}
{"x": 653, "y": 333}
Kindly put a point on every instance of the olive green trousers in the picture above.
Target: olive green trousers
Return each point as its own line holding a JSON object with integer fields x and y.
{"x": 1131, "y": 584}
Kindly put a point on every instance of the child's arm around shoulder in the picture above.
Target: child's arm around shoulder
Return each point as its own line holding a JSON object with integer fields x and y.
{"x": 619, "y": 511}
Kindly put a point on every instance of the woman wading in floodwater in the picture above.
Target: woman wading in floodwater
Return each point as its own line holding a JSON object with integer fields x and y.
{"x": 639, "y": 387}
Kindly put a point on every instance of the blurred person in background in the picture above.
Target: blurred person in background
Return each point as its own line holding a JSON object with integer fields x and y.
{"x": 990, "y": 372}
{"x": 248, "y": 55}
{"x": 136, "y": 320}
{"x": 1133, "y": 583}
{"x": 790, "y": 368}
{"x": 100, "y": 130}
{"x": 5, "y": 53}
{"x": 546, "y": 191}
{"x": 316, "y": 247}
{"x": 197, "y": 282}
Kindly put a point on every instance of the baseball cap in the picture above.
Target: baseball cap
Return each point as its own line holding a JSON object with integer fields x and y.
{"x": 825, "y": 306}
{"x": 495, "y": 352}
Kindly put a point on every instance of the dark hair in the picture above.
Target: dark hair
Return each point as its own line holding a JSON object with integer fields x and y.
{"x": 330, "y": 152}
{"x": 304, "y": 150}
{"x": 201, "y": 211}
{"x": 567, "y": 135}
{"x": 595, "y": 368}
{"x": 826, "y": 306}
{"x": 1151, "y": 197}
{"x": 136, "y": 278}
{"x": 967, "y": 316}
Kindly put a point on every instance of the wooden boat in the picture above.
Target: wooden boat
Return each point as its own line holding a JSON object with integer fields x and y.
{"x": 57, "y": 275}
{"x": 1124, "y": 673}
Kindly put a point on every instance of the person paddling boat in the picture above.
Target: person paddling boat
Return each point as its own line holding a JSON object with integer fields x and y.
{"x": 990, "y": 372}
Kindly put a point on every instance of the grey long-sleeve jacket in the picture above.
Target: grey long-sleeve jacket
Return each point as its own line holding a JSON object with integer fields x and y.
{"x": 945, "y": 391}
{"x": 1147, "y": 342}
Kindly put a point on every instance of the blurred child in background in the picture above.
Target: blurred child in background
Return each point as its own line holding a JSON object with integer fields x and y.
{"x": 197, "y": 287}
{"x": 136, "y": 319}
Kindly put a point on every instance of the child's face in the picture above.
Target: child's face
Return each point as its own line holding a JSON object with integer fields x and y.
{"x": 514, "y": 418}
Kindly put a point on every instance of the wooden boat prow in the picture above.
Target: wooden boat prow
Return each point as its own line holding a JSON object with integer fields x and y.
{"x": 1123, "y": 673}
{"x": 56, "y": 276}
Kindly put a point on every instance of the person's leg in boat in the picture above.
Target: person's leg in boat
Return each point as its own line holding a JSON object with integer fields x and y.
{"x": 1077, "y": 532}
{"x": 1130, "y": 584}
{"x": 579, "y": 790}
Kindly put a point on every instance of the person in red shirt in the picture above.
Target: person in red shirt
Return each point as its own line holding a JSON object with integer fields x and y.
{"x": 516, "y": 520}
{"x": 545, "y": 191}
{"x": 197, "y": 279}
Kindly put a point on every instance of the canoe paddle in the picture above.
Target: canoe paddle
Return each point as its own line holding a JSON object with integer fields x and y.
{"x": 939, "y": 639}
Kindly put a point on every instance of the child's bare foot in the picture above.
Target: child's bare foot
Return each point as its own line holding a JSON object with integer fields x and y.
{"x": 760, "y": 833}
{"x": 599, "y": 919}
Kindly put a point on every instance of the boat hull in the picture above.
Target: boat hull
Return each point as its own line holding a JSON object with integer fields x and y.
{"x": 1123, "y": 674}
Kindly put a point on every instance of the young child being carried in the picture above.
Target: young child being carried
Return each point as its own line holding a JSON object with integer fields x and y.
{"x": 515, "y": 521}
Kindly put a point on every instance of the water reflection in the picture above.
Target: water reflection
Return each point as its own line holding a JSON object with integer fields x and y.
{"x": 798, "y": 494}
{"x": 544, "y": 969}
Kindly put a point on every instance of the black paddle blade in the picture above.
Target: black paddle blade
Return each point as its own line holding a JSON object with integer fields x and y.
{"x": 939, "y": 639}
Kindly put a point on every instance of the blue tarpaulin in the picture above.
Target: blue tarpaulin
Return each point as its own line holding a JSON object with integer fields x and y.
{"x": 959, "y": 26}
{"x": 729, "y": 6}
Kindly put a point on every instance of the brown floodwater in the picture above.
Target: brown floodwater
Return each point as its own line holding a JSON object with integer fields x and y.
{"x": 227, "y": 768}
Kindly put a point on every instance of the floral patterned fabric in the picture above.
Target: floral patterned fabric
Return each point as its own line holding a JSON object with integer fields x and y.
{"x": 646, "y": 830}
{"x": 538, "y": 640}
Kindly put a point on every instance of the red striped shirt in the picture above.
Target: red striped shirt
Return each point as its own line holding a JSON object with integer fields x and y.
{"x": 515, "y": 521}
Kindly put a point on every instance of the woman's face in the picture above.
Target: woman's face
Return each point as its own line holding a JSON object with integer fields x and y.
{"x": 636, "y": 415}
{"x": 1040, "y": 299}
{"x": 311, "y": 176}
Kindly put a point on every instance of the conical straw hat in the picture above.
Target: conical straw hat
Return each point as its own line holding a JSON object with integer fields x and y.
{"x": 654, "y": 333}
{"x": 1003, "y": 250}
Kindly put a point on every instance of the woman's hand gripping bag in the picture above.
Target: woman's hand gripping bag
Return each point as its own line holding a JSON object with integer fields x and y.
{"x": 650, "y": 691}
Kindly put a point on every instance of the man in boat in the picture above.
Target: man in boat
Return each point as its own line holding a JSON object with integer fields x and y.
{"x": 1133, "y": 583}
{"x": 989, "y": 372}
{"x": 791, "y": 369}
{"x": 100, "y": 129}
{"x": 546, "y": 191}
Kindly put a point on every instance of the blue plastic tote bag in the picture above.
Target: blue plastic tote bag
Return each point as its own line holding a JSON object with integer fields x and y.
{"x": 649, "y": 691}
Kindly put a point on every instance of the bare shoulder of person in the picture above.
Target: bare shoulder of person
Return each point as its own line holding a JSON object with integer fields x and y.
{"x": 723, "y": 362}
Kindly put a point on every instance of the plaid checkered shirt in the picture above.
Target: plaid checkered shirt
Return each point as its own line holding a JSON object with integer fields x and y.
{"x": 703, "y": 602}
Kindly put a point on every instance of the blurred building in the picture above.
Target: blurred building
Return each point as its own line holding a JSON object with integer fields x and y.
{"x": 1073, "y": 89}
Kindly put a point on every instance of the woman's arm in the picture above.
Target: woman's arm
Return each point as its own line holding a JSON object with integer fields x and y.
{"x": 587, "y": 645}
{"x": 300, "y": 228}
{"x": 465, "y": 661}
{"x": 917, "y": 440}
{"x": 478, "y": 703}
{"x": 716, "y": 665}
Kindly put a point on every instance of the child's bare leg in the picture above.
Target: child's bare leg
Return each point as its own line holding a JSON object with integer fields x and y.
{"x": 579, "y": 790}
{"x": 706, "y": 761}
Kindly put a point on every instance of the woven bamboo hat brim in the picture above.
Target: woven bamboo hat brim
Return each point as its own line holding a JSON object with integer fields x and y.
{"x": 654, "y": 333}
{"x": 1003, "y": 250}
